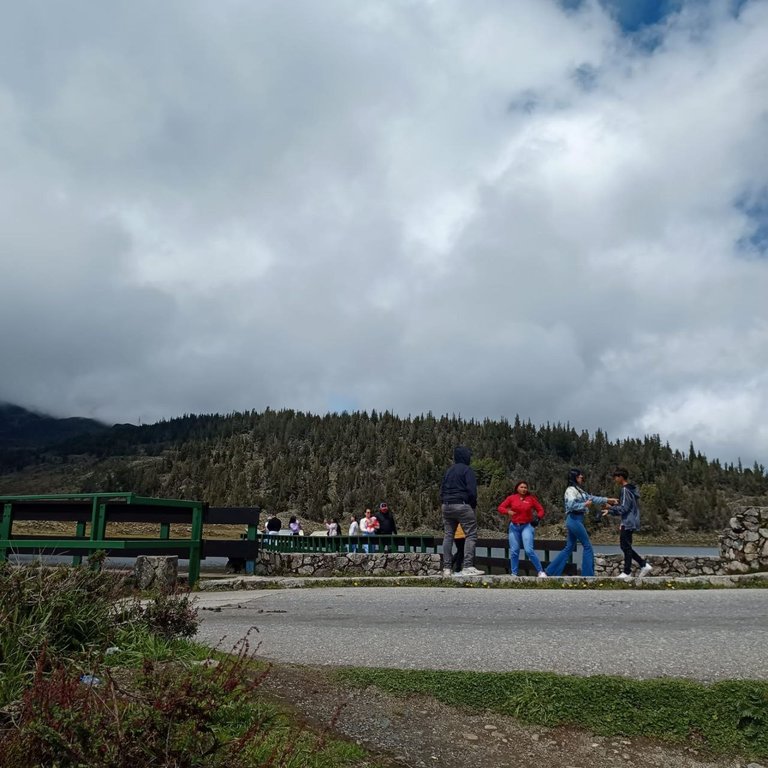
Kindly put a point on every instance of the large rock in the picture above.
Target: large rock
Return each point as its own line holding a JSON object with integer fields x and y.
{"x": 156, "y": 572}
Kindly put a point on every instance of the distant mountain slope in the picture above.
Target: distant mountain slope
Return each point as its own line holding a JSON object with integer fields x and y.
{"x": 335, "y": 465}
{"x": 20, "y": 428}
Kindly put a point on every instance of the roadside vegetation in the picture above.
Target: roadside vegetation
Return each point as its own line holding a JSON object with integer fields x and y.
{"x": 726, "y": 717}
{"x": 91, "y": 677}
{"x": 608, "y": 584}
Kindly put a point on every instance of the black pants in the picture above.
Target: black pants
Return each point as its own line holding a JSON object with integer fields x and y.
{"x": 625, "y": 542}
{"x": 458, "y": 558}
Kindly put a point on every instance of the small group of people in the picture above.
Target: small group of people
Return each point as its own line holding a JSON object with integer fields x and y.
{"x": 381, "y": 523}
{"x": 274, "y": 526}
{"x": 458, "y": 496}
{"x": 578, "y": 502}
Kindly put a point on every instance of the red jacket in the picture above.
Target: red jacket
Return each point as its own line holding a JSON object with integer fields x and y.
{"x": 521, "y": 508}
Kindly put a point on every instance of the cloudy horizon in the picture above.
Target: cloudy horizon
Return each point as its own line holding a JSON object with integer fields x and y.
{"x": 551, "y": 209}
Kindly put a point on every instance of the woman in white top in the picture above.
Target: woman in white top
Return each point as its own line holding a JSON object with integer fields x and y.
{"x": 354, "y": 530}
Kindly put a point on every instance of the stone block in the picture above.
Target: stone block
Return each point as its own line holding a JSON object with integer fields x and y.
{"x": 156, "y": 572}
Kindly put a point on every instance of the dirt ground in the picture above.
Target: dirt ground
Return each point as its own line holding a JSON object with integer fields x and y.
{"x": 417, "y": 731}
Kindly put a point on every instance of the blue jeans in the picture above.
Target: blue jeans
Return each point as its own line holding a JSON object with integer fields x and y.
{"x": 521, "y": 537}
{"x": 576, "y": 533}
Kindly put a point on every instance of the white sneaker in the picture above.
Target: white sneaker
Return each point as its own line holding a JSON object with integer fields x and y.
{"x": 542, "y": 575}
{"x": 472, "y": 571}
{"x": 624, "y": 577}
{"x": 645, "y": 570}
{"x": 446, "y": 572}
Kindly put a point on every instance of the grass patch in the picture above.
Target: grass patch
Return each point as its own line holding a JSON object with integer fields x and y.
{"x": 727, "y": 717}
{"x": 494, "y": 582}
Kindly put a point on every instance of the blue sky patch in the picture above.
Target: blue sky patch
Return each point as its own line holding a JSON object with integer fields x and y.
{"x": 755, "y": 207}
{"x": 637, "y": 15}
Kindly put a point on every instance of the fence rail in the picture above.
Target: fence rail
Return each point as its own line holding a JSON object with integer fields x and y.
{"x": 91, "y": 512}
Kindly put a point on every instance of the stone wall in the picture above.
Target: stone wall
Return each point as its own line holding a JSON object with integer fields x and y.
{"x": 744, "y": 543}
{"x": 743, "y": 549}
{"x": 346, "y": 564}
{"x": 612, "y": 565}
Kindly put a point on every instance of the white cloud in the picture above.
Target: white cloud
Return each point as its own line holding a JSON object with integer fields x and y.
{"x": 486, "y": 208}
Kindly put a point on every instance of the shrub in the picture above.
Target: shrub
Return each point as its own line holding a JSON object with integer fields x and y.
{"x": 61, "y": 612}
{"x": 163, "y": 714}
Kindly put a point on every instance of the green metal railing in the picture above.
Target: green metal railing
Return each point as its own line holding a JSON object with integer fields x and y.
{"x": 329, "y": 544}
{"x": 93, "y": 510}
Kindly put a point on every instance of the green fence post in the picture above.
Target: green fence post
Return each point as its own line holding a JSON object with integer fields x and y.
{"x": 80, "y": 533}
{"x": 253, "y": 530}
{"x": 98, "y": 522}
{"x": 195, "y": 545}
{"x": 5, "y": 528}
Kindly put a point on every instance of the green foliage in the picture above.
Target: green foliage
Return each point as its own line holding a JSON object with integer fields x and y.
{"x": 56, "y": 612}
{"x": 151, "y": 697}
{"x": 167, "y": 616}
{"x": 161, "y": 714}
{"x": 729, "y": 717}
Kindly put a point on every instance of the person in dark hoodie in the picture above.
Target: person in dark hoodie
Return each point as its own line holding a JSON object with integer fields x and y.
{"x": 629, "y": 510}
{"x": 458, "y": 495}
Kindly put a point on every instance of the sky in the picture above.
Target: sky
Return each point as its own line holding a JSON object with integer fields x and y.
{"x": 551, "y": 208}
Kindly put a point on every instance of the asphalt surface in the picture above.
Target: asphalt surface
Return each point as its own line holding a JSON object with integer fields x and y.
{"x": 704, "y": 635}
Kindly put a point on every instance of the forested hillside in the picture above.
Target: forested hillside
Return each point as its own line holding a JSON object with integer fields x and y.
{"x": 337, "y": 464}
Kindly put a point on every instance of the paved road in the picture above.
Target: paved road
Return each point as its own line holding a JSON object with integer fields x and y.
{"x": 703, "y": 635}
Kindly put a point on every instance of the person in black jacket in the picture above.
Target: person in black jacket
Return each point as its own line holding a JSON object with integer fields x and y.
{"x": 386, "y": 518}
{"x": 458, "y": 494}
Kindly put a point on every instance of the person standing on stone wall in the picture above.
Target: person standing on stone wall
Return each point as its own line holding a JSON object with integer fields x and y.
{"x": 458, "y": 494}
{"x": 629, "y": 509}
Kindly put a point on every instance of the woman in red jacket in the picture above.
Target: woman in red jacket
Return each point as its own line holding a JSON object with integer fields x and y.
{"x": 522, "y": 507}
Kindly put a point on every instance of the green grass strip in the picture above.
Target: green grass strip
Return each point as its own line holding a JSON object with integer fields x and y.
{"x": 726, "y": 717}
{"x": 492, "y": 582}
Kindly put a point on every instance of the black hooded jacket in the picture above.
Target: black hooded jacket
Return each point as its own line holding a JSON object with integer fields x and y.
{"x": 459, "y": 483}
